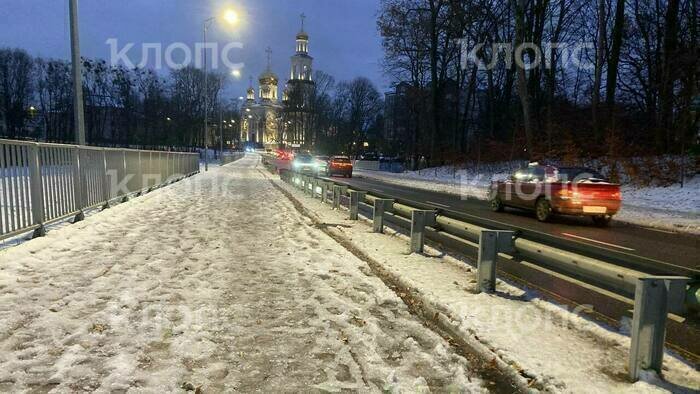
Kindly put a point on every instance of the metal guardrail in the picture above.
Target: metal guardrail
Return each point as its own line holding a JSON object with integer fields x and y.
{"x": 654, "y": 296}
{"x": 41, "y": 183}
{"x": 230, "y": 158}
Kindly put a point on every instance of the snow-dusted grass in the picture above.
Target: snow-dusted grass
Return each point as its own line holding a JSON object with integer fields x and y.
{"x": 563, "y": 351}
{"x": 671, "y": 207}
{"x": 214, "y": 282}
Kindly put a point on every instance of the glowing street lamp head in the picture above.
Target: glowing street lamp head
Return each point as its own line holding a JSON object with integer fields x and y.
{"x": 231, "y": 17}
{"x": 236, "y": 73}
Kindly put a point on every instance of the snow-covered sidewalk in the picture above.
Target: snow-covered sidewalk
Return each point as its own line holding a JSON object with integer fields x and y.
{"x": 214, "y": 282}
{"x": 551, "y": 346}
{"x": 671, "y": 208}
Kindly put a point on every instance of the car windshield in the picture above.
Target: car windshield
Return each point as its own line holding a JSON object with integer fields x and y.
{"x": 322, "y": 158}
{"x": 304, "y": 158}
{"x": 341, "y": 160}
{"x": 578, "y": 174}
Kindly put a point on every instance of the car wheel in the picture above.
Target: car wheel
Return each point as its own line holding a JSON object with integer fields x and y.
{"x": 497, "y": 204}
{"x": 602, "y": 221}
{"x": 349, "y": 175}
{"x": 543, "y": 209}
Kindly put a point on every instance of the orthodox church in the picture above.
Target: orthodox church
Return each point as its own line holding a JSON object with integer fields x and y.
{"x": 265, "y": 120}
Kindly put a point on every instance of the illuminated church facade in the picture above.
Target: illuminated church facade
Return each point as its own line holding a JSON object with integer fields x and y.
{"x": 272, "y": 123}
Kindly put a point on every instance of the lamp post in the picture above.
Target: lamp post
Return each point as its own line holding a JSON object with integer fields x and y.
{"x": 231, "y": 17}
{"x": 78, "y": 113}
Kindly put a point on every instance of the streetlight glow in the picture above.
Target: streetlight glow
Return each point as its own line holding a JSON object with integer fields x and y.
{"x": 236, "y": 73}
{"x": 231, "y": 17}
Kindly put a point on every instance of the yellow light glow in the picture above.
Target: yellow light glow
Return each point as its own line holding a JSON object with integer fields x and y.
{"x": 231, "y": 17}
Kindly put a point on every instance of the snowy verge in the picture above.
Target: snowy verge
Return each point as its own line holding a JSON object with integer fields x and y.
{"x": 557, "y": 348}
{"x": 669, "y": 208}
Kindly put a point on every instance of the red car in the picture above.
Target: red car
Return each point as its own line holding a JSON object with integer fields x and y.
{"x": 549, "y": 190}
{"x": 340, "y": 165}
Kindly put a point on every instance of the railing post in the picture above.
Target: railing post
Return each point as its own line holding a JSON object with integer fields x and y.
{"x": 139, "y": 174}
{"x": 78, "y": 189}
{"x": 491, "y": 243}
{"x": 308, "y": 184}
{"x": 380, "y": 206}
{"x": 315, "y": 183}
{"x": 126, "y": 175}
{"x": 324, "y": 191}
{"x": 651, "y": 299}
{"x": 355, "y": 198}
{"x": 336, "y": 196}
{"x": 36, "y": 190}
{"x": 419, "y": 220}
{"x": 105, "y": 180}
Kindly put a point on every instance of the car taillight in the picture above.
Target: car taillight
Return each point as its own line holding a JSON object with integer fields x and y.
{"x": 567, "y": 194}
{"x": 616, "y": 196}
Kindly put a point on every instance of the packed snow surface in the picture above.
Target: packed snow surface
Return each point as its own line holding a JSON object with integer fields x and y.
{"x": 215, "y": 282}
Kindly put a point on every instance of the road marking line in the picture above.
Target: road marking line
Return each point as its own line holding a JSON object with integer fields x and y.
{"x": 438, "y": 204}
{"x": 659, "y": 230}
{"x": 600, "y": 242}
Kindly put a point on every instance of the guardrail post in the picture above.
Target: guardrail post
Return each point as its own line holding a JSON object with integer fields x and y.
{"x": 651, "y": 299}
{"x": 380, "y": 206}
{"x": 78, "y": 185}
{"x": 314, "y": 185}
{"x": 324, "y": 191}
{"x": 419, "y": 220}
{"x": 105, "y": 180}
{"x": 491, "y": 243}
{"x": 310, "y": 186}
{"x": 355, "y": 198}
{"x": 126, "y": 175}
{"x": 36, "y": 191}
{"x": 337, "y": 190}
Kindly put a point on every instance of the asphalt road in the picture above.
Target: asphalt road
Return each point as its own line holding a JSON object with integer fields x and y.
{"x": 670, "y": 252}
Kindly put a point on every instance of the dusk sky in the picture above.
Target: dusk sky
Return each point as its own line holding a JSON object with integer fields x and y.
{"x": 343, "y": 35}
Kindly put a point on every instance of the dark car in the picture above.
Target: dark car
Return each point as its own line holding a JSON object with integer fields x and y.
{"x": 304, "y": 163}
{"x": 321, "y": 165}
{"x": 549, "y": 190}
{"x": 340, "y": 165}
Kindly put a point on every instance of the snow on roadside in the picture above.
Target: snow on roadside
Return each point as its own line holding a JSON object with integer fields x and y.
{"x": 565, "y": 352}
{"x": 214, "y": 282}
{"x": 672, "y": 208}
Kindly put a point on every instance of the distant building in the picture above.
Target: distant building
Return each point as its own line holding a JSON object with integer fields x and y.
{"x": 260, "y": 118}
{"x": 267, "y": 122}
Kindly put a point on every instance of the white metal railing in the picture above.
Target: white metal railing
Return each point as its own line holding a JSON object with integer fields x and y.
{"x": 41, "y": 183}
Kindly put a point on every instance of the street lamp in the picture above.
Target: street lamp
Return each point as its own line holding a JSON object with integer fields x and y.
{"x": 231, "y": 17}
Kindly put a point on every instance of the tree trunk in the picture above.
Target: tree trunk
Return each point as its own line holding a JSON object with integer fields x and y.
{"x": 614, "y": 58}
{"x": 519, "y": 6}
{"x": 600, "y": 53}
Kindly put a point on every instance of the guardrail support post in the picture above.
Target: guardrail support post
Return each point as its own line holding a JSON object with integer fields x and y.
{"x": 355, "y": 198}
{"x": 337, "y": 190}
{"x": 491, "y": 243}
{"x": 380, "y": 206}
{"x": 651, "y": 299}
{"x": 105, "y": 180}
{"x": 78, "y": 189}
{"x": 36, "y": 191}
{"x": 126, "y": 175}
{"x": 314, "y": 185}
{"x": 419, "y": 220}
{"x": 324, "y": 191}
